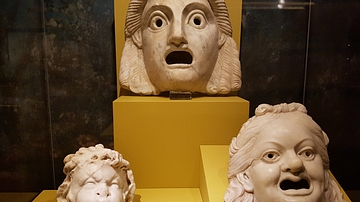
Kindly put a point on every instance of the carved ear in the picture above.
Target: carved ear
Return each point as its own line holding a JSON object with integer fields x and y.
{"x": 222, "y": 39}
{"x": 243, "y": 177}
{"x": 137, "y": 38}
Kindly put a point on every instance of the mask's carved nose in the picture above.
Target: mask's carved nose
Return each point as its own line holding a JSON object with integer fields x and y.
{"x": 177, "y": 35}
{"x": 103, "y": 191}
{"x": 292, "y": 164}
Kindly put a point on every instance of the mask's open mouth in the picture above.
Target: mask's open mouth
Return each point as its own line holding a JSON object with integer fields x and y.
{"x": 179, "y": 57}
{"x": 288, "y": 184}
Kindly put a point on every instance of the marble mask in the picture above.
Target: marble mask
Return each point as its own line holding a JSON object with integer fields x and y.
{"x": 96, "y": 174}
{"x": 279, "y": 155}
{"x": 179, "y": 45}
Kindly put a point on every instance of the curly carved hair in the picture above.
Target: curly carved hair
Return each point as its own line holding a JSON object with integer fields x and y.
{"x": 85, "y": 156}
{"x": 226, "y": 75}
{"x": 242, "y": 145}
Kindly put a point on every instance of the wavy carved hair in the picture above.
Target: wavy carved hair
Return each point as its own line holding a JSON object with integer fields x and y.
{"x": 226, "y": 75}
{"x": 242, "y": 145}
{"x": 85, "y": 156}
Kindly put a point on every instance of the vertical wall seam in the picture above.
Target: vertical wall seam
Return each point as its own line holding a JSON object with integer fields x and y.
{"x": 47, "y": 89}
{"x": 307, "y": 54}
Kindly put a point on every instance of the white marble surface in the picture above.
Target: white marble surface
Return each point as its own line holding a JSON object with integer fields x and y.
{"x": 179, "y": 45}
{"x": 280, "y": 154}
{"x": 96, "y": 174}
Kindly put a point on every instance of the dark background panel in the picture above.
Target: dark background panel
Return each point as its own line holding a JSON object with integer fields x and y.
{"x": 80, "y": 44}
{"x": 57, "y": 82}
{"x": 25, "y": 141}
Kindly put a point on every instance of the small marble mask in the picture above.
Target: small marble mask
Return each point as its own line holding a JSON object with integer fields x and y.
{"x": 179, "y": 45}
{"x": 280, "y": 154}
{"x": 96, "y": 174}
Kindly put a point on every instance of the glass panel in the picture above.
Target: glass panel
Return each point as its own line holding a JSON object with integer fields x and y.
{"x": 25, "y": 150}
{"x": 288, "y": 57}
{"x": 57, "y": 82}
{"x": 82, "y": 75}
{"x": 273, "y": 51}
{"x": 58, "y": 79}
{"x": 333, "y": 83}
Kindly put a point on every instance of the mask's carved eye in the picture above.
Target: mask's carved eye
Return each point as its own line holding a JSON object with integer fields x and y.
{"x": 114, "y": 184}
{"x": 90, "y": 182}
{"x": 197, "y": 19}
{"x": 157, "y": 21}
{"x": 270, "y": 156}
{"x": 307, "y": 153}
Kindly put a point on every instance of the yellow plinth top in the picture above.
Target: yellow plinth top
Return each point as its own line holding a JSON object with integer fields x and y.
{"x": 213, "y": 181}
{"x": 168, "y": 195}
{"x": 166, "y": 99}
{"x": 143, "y": 195}
{"x": 46, "y": 196}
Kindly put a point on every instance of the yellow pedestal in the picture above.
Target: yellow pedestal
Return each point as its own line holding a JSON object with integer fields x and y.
{"x": 168, "y": 195}
{"x": 144, "y": 195}
{"x": 213, "y": 173}
{"x": 46, "y": 196}
{"x": 161, "y": 137}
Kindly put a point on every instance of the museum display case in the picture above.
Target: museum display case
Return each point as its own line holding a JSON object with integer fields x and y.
{"x": 59, "y": 92}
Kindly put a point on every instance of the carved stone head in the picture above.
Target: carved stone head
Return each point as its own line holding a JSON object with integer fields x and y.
{"x": 179, "y": 45}
{"x": 280, "y": 154}
{"x": 96, "y": 174}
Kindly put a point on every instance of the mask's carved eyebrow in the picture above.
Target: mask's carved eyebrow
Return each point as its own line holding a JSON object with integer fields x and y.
{"x": 273, "y": 143}
{"x": 306, "y": 142}
{"x": 146, "y": 14}
{"x": 199, "y": 6}
{"x": 83, "y": 178}
{"x": 92, "y": 173}
{"x": 268, "y": 146}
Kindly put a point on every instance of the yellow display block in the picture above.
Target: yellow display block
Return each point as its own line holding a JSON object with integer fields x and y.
{"x": 46, "y": 196}
{"x": 161, "y": 137}
{"x": 120, "y": 9}
{"x": 213, "y": 182}
{"x": 168, "y": 194}
{"x": 17, "y": 196}
{"x": 143, "y": 195}
{"x": 213, "y": 173}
